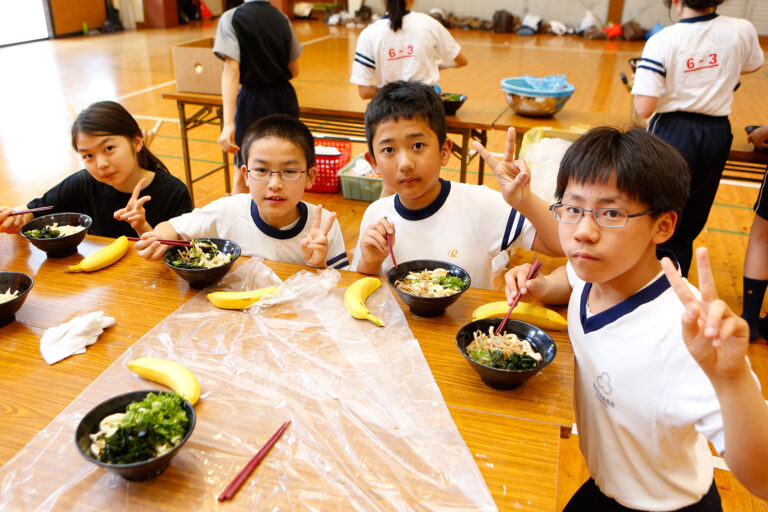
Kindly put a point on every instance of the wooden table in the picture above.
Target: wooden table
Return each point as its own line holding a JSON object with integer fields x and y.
{"x": 514, "y": 435}
{"x": 332, "y": 110}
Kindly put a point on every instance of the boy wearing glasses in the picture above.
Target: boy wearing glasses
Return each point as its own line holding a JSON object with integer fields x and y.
{"x": 644, "y": 407}
{"x": 271, "y": 221}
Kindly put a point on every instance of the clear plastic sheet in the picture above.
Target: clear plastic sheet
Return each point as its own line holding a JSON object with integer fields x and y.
{"x": 370, "y": 428}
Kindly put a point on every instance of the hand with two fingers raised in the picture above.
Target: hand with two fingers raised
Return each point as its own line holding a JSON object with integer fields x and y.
{"x": 314, "y": 247}
{"x": 718, "y": 340}
{"x": 716, "y": 337}
{"x": 513, "y": 175}
{"x": 134, "y": 213}
{"x": 374, "y": 246}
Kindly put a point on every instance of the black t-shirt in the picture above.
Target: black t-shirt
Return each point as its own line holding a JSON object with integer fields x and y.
{"x": 265, "y": 35}
{"x": 81, "y": 193}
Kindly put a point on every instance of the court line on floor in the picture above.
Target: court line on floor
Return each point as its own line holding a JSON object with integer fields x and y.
{"x": 737, "y": 183}
{"x": 163, "y": 119}
{"x": 726, "y": 231}
{"x": 317, "y": 40}
{"x": 147, "y": 89}
{"x": 171, "y": 82}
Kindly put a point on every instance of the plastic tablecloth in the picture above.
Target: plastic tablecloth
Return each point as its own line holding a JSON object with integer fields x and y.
{"x": 370, "y": 430}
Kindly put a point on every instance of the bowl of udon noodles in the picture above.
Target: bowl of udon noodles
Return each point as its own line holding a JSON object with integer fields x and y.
{"x": 506, "y": 361}
{"x": 128, "y": 436}
{"x": 14, "y": 287}
{"x": 58, "y": 234}
{"x": 428, "y": 287}
{"x": 205, "y": 263}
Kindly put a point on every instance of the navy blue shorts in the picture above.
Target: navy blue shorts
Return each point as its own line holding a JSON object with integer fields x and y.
{"x": 589, "y": 498}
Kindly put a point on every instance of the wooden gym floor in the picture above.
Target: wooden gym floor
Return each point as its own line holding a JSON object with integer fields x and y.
{"x": 45, "y": 80}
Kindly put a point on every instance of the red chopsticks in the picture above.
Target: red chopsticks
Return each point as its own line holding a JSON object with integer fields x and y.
{"x": 391, "y": 252}
{"x": 33, "y": 210}
{"x": 248, "y": 469}
{"x": 531, "y": 274}
{"x": 179, "y": 243}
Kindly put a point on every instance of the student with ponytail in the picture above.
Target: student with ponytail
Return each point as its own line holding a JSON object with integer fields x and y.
{"x": 685, "y": 79}
{"x": 124, "y": 188}
{"x": 403, "y": 45}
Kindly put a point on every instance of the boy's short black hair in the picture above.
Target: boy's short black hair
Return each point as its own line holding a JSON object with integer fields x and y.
{"x": 406, "y": 100}
{"x": 646, "y": 168}
{"x": 283, "y": 126}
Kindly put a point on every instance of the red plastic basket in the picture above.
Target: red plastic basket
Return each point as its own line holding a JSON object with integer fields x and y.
{"x": 327, "y": 179}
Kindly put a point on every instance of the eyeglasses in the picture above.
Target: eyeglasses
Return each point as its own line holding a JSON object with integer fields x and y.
{"x": 605, "y": 217}
{"x": 261, "y": 174}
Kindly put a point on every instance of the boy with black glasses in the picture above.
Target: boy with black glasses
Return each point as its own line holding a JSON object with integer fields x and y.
{"x": 644, "y": 407}
{"x": 271, "y": 222}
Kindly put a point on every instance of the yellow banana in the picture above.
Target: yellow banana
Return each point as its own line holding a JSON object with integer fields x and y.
{"x": 103, "y": 257}
{"x": 354, "y": 298}
{"x": 170, "y": 374}
{"x": 533, "y": 314}
{"x": 240, "y": 300}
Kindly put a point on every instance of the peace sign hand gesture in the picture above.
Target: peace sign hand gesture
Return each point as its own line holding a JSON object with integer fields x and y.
{"x": 716, "y": 337}
{"x": 314, "y": 247}
{"x": 134, "y": 213}
{"x": 513, "y": 175}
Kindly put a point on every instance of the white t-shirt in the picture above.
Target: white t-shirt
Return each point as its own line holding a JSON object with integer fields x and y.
{"x": 466, "y": 225}
{"x": 694, "y": 65}
{"x": 237, "y": 218}
{"x": 411, "y": 53}
{"x": 641, "y": 400}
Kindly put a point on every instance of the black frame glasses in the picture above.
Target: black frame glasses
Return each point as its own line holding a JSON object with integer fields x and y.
{"x": 266, "y": 174}
{"x": 604, "y": 217}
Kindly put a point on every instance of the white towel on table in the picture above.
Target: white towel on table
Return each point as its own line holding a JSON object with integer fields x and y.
{"x": 73, "y": 336}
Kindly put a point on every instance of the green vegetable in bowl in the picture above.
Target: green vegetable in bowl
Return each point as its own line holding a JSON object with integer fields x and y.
{"x": 200, "y": 255}
{"x": 450, "y": 96}
{"x": 46, "y": 232}
{"x": 497, "y": 359}
{"x": 505, "y": 351}
{"x": 148, "y": 428}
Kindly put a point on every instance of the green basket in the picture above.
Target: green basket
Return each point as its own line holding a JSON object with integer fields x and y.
{"x": 359, "y": 188}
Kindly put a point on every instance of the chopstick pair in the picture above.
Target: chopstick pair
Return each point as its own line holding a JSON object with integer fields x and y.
{"x": 248, "y": 469}
{"x": 531, "y": 274}
{"x": 179, "y": 243}
{"x": 391, "y": 252}
{"x": 33, "y": 210}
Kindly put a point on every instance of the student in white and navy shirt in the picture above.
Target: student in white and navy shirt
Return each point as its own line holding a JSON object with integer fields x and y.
{"x": 467, "y": 225}
{"x": 403, "y": 45}
{"x": 237, "y": 218}
{"x": 271, "y": 222}
{"x": 687, "y": 75}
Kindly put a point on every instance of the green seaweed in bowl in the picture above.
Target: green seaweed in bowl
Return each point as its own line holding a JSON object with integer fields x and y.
{"x": 450, "y": 96}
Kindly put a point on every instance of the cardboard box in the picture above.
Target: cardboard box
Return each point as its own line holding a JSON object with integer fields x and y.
{"x": 197, "y": 69}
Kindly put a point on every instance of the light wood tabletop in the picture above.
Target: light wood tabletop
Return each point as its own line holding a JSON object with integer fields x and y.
{"x": 513, "y": 435}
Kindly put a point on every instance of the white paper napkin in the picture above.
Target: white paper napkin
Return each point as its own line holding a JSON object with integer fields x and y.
{"x": 73, "y": 336}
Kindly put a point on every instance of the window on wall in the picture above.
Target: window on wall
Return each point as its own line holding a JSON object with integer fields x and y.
{"x": 27, "y": 23}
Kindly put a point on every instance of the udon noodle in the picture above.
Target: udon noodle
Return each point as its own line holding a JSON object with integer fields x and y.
{"x": 504, "y": 351}
{"x": 430, "y": 283}
{"x": 200, "y": 255}
{"x": 8, "y": 295}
